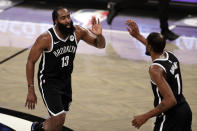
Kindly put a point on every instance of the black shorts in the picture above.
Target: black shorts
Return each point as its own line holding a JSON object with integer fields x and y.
{"x": 56, "y": 94}
{"x": 179, "y": 119}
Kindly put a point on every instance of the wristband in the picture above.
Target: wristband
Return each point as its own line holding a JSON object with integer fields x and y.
{"x": 30, "y": 85}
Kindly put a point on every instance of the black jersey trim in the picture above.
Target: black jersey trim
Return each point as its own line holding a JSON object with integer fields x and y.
{"x": 58, "y": 35}
{"x": 167, "y": 57}
{"x": 170, "y": 52}
{"x": 159, "y": 65}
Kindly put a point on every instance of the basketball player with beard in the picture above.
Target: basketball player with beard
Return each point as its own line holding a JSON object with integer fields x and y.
{"x": 58, "y": 47}
{"x": 171, "y": 109}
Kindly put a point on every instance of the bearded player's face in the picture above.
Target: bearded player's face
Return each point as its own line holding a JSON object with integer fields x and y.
{"x": 64, "y": 22}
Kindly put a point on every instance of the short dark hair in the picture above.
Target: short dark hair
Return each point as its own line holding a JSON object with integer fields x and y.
{"x": 55, "y": 14}
{"x": 157, "y": 42}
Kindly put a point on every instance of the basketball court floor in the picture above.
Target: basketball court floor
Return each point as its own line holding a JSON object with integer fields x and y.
{"x": 110, "y": 85}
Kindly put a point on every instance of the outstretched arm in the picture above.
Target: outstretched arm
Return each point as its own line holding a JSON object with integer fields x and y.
{"x": 92, "y": 36}
{"x": 168, "y": 101}
{"x": 133, "y": 30}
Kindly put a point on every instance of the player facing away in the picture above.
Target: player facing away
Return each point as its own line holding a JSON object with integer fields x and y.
{"x": 170, "y": 106}
{"x": 57, "y": 46}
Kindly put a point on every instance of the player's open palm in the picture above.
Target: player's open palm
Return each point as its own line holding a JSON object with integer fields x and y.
{"x": 132, "y": 28}
{"x": 31, "y": 100}
{"x": 96, "y": 26}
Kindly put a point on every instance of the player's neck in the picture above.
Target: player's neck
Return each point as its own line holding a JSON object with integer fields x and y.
{"x": 59, "y": 33}
{"x": 157, "y": 56}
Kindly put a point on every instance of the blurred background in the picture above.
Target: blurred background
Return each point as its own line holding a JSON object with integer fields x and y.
{"x": 110, "y": 85}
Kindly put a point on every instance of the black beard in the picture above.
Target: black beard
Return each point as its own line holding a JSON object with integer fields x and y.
{"x": 64, "y": 30}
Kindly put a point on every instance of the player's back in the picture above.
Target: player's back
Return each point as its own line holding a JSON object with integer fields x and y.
{"x": 179, "y": 117}
{"x": 171, "y": 67}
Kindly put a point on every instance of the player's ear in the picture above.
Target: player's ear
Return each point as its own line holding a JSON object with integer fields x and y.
{"x": 56, "y": 22}
{"x": 148, "y": 45}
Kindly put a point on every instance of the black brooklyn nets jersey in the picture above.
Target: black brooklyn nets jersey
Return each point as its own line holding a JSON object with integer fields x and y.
{"x": 58, "y": 61}
{"x": 171, "y": 67}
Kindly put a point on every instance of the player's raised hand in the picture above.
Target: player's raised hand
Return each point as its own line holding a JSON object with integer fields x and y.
{"x": 133, "y": 29}
{"x": 96, "y": 26}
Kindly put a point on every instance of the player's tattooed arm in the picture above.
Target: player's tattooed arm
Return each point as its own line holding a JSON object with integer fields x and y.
{"x": 99, "y": 41}
{"x": 161, "y": 106}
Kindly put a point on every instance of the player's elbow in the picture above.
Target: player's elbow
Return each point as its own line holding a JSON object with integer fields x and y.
{"x": 100, "y": 42}
{"x": 102, "y": 45}
{"x": 30, "y": 62}
{"x": 173, "y": 101}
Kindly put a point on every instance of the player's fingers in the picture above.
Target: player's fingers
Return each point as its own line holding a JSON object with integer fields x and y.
{"x": 129, "y": 22}
{"x": 30, "y": 105}
{"x": 138, "y": 126}
{"x": 93, "y": 20}
{"x": 98, "y": 21}
{"x": 133, "y": 122}
{"x": 26, "y": 103}
{"x": 33, "y": 106}
{"x": 129, "y": 30}
{"x": 89, "y": 29}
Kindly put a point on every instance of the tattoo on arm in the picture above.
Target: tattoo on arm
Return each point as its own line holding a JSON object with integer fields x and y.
{"x": 161, "y": 106}
{"x": 96, "y": 41}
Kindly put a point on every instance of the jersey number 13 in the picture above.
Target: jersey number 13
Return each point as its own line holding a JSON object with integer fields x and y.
{"x": 65, "y": 61}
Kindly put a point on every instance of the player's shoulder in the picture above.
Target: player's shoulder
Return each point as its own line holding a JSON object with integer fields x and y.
{"x": 156, "y": 68}
{"x": 45, "y": 36}
{"x": 155, "y": 72}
